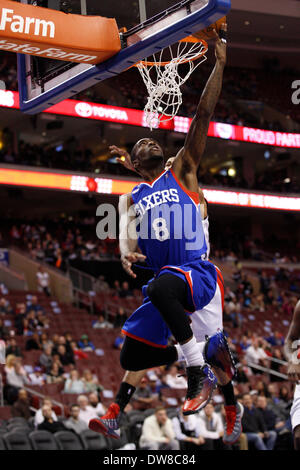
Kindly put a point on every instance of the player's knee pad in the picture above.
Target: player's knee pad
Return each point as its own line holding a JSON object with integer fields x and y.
{"x": 155, "y": 291}
{"x": 217, "y": 354}
{"x": 167, "y": 287}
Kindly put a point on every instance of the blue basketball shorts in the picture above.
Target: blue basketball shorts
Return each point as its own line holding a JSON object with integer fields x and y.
{"x": 205, "y": 295}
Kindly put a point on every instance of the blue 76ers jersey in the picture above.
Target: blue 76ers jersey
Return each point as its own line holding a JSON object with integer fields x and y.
{"x": 169, "y": 228}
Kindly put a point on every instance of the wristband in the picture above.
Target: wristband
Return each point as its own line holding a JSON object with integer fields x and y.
{"x": 223, "y": 36}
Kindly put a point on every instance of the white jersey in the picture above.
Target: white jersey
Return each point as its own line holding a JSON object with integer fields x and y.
{"x": 205, "y": 224}
{"x": 295, "y": 410}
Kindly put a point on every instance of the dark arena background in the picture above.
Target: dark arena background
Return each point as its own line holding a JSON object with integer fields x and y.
{"x": 64, "y": 295}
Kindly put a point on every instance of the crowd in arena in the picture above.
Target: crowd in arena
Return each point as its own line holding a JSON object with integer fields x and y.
{"x": 59, "y": 242}
{"x": 70, "y": 156}
{"x": 267, "y": 398}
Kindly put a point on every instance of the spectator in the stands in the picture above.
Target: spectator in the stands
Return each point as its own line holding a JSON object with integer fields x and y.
{"x": 243, "y": 372}
{"x": 38, "y": 418}
{"x": 255, "y": 427}
{"x": 173, "y": 380}
{"x": 101, "y": 285}
{"x": 245, "y": 343}
{"x": 269, "y": 417}
{"x": 120, "y": 318}
{"x": 256, "y": 354}
{"x": 119, "y": 341}
{"x": 96, "y": 404}
{"x": 43, "y": 281}
{"x": 264, "y": 282}
{"x": 276, "y": 339}
{"x": 77, "y": 352}
{"x": 74, "y": 384}
{"x": 158, "y": 432}
{"x": 21, "y": 407}
{"x": 278, "y": 405}
{"x": 33, "y": 304}
{"x": 55, "y": 374}
{"x": 74, "y": 423}
{"x": 69, "y": 338}
{"x": 261, "y": 388}
{"x": 5, "y": 307}
{"x": 49, "y": 424}
{"x": 125, "y": 291}
{"x": 37, "y": 377}
{"x": 185, "y": 431}
{"x": 30, "y": 322}
{"x": 10, "y": 363}
{"x": 33, "y": 343}
{"x": 4, "y": 332}
{"x": 16, "y": 378}
{"x": 19, "y": 318}
{"x": 91, "y": 382}
{"x": 269, "y": 298}
{"x": 45, "y": 359}
{"x": 143, "y": 395}
{"x": 210, "y": 427}
{"x": 66, "y": 357}
{"x": 12, "y": 348}
{"x": 87, "y": 412}
{"x": 85, "y": 344}
{"x": 102, "y": 323}
{"x": 45, "y": 340}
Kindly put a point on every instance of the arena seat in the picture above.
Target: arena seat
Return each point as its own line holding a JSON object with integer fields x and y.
{"x": 18, "y": 420}
{"x": 5, "y": 412}
{"x": 17, "y": 424}
{"x": 43, "y": 440}
{"x": 20, "y": 429}
{"x": 17, "y": 441}
{"x": 67, "y": 440}
{"x": 93, "y": 441}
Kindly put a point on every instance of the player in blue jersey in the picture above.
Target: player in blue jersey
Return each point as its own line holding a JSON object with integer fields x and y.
{"x": 171, "y": 238}
{"x": 205, "y": 322}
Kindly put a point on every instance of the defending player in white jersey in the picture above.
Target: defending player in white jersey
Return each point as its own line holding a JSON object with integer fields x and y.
{"x": 292, "y": 353}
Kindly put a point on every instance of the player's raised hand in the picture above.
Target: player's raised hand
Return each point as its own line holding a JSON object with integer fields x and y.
{"x": 123, "y": 157}
{"x": 129, "y": 259}
{"x": 221, "y": 44}
{"x": 293, "y": 372}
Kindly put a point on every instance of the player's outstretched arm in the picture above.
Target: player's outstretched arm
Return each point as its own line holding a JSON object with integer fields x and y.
{"x": 123, "y": 157}
{"x": 289, "y": 347}
{"x": 128, "y": 238}
{"x": 196, "y": 139}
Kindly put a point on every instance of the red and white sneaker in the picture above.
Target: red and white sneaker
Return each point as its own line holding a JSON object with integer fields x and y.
{"x": 108, "y": 423}
{"x": 201, "y": 384}
{"x": 233, "y": 426}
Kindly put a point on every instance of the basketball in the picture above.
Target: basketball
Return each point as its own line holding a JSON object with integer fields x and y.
{"x": 207, "y": 33}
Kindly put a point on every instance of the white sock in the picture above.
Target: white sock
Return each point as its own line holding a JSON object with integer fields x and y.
{"x": 179, "y": 353}
{"x": 192, "y": 354}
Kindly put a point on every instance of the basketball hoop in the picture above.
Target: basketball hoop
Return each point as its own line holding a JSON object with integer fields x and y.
{"x": 164, "y": 79}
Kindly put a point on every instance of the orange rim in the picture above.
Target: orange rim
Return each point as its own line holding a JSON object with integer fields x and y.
{"x": 192, "y": 39}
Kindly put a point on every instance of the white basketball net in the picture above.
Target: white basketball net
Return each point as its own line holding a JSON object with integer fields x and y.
{"x": 163, "y": 82}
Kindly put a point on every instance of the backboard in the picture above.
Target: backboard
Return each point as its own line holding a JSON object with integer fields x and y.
{"x": 151, "y": 25}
